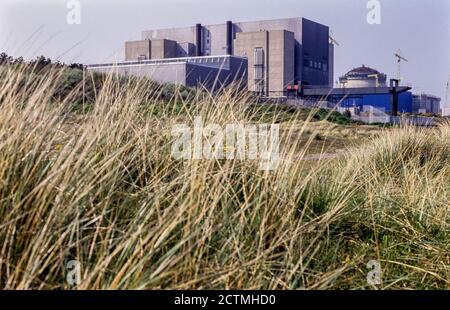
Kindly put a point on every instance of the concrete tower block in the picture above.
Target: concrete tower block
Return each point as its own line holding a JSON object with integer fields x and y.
{"x": 245, "y": 45}
{"x": 163, "y": 48}
{"x": 281, "y": 61}
{"x": 135, "y": 50}
{"x": 279, "y": 58}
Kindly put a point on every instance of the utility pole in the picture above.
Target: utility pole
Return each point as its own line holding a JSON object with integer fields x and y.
{"x": 332, "y": 44}
{"x": 446, "y": 92}
{"x": 446, "y": 107}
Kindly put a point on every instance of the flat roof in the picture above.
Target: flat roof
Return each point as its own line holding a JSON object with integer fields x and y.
{"x": 351, "y": 91}
{"x": 234, "y": 22}
{"x": 210, "y": 61}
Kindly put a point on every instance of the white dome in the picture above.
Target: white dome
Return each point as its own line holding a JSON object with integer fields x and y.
{"x": 363, "y": 77}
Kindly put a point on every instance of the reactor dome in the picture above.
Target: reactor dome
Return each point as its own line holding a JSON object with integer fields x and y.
{"x": 363, "y": 77}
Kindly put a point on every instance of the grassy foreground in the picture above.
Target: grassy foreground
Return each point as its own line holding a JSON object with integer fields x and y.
{"x": 100, "y": 186}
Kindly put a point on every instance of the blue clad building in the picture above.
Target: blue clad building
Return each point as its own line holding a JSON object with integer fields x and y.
{"x": 381, "y": 101}
{"x": 362, "y": 88}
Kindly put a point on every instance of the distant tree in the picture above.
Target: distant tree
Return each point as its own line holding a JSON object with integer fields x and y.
{"x": 76, "y": 66}
{"x": 40, "y": 63}
{"x": 18, "y": 61}
{"x": 5, "y": 59}
{"x": 58, "y": 64}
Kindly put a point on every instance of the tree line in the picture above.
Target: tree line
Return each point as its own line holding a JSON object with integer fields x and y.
{"x": 39, "y": 63}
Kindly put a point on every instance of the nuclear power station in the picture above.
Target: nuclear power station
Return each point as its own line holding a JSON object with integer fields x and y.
{"x": 290, "y": 58}
{"x": 266, "y": 55}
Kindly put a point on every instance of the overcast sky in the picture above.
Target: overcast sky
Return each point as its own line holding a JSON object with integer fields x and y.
{"x": 420, "y": 28}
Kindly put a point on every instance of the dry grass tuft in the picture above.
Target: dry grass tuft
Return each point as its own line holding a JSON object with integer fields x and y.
{"x": 101, "y": 187}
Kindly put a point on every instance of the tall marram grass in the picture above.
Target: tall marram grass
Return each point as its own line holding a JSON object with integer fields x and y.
{"x": 100, "y": 186}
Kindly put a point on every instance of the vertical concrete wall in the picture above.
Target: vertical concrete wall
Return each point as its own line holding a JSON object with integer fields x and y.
{"x": 185, "y": 49}
{"x": 289, "y": 59}
{"x": 135, "y": 49}
{"x": 180, "y": 35}
{"x": 186, "y": 34}
{"x": 157, "y": 49}
{"x": 163, "y": 49}
{"x": 217, "y": 34}
{"x": 245, "y": 45}
{"x": 170, "y": 49}
{"x": 424, "y": 103}
{"x": 279, "y": 52}
{"x": 290, "y": 24}
{"x": 331, "y": 66}
{"x": 281, "y": 61}
{"x": 313, "y": 60}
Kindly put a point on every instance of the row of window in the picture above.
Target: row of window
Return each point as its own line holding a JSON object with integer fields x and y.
{"x": 259, "y": 61}
{"x": 207, "y": 46}
{"x": 317, "y": 65}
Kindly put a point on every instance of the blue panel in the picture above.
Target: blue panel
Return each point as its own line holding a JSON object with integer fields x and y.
{"x": 351, "y": 101}
{"x": 379, "y": 101}
{"x": 405, "y": 103}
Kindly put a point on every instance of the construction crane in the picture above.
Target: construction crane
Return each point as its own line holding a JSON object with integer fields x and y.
{"x": 400, "y": 58}
{"x": 332, "y": 40}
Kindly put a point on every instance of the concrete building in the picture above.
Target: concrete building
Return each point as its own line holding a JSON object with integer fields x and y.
{"x": 426, "y": 104}
{"x": 212, "y": 72}
{"x": 138, "y": 50}
{"x": 313, "y": 57}
{"x": 278, "y": 52}
{"x": 270, "y": 57}
{"x": 376, "y": 99}
{"x": 150, "y": 49}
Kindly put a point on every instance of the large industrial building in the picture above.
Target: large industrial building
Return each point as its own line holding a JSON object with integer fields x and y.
{"x": 284, "y": 58}
{"x": 265, "y": 55}
{"x": 365, "y": 89}
{"x": 211, "y": 72}
{"x": 427, "y": 104}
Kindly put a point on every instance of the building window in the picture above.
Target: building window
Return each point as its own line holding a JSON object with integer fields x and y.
{"x": 311, "y": 63}
{"x": 320, "y": 65}
{"x": 142, "y": 57}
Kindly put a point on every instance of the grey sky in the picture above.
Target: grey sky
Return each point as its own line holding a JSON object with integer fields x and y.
{"x": 420, "y": 28}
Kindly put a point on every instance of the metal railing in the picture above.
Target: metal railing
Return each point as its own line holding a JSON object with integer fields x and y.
{"x": 222, "y": 61}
